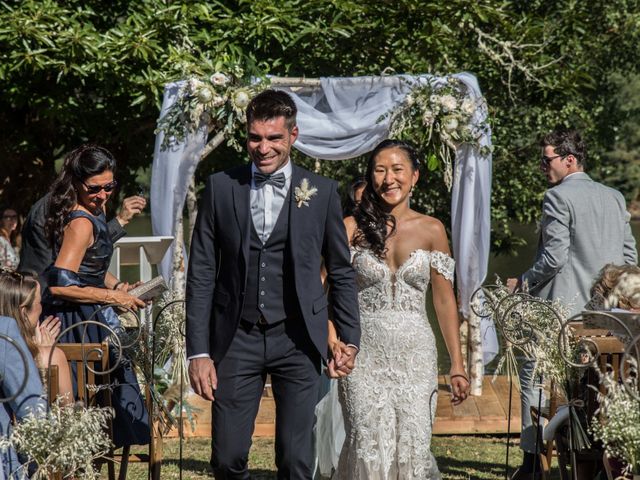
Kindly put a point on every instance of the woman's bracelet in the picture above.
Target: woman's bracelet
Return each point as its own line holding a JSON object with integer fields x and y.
{"x": 459, "y": 375}
{"x": 117, "y": 285}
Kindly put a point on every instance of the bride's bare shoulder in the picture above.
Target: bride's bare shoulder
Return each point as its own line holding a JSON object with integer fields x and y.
{"x": 432, "y": 232}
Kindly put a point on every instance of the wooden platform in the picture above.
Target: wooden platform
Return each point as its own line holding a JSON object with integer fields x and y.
{"x": 486, "y": 414}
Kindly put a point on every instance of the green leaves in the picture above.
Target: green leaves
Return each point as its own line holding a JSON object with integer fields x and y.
{"x": 86, "y": 70}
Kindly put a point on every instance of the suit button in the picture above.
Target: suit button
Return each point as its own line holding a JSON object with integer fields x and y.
{"x": 262, "y": 292}
{"x": 263, "y": 264}
{"x": 262, "y": 305}
{"x": 262, "y": 279}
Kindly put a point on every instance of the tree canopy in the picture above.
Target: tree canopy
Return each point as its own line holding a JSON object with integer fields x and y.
{"x": 82, "y": 70}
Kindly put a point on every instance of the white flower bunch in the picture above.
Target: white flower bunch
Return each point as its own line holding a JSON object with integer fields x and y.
{"x": 217, "y": 102}
{"x": 66, "y": 440}
{"x": 440, "y": 117}
{"x": 617, "y": 421}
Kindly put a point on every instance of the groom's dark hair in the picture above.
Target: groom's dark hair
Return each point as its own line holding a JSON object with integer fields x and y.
{"x": 271, "y": 104}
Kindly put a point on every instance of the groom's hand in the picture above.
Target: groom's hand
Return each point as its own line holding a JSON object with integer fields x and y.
{"x": 347, "y": 360}
{"x": 203, "y": 378}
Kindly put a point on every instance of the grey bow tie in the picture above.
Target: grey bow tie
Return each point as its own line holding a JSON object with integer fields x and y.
{"x": 277, "y": 180}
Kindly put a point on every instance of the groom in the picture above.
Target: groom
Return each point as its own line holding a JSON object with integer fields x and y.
{"x": 255, "y": 301}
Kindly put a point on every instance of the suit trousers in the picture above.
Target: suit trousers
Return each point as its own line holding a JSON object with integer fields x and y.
{"x": 530, "y": 395}
{"x": 284, "y": 351}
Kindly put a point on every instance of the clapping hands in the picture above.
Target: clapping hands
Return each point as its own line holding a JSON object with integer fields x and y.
{"x": 47, "y": 332}
{"x": 342, "y": 361}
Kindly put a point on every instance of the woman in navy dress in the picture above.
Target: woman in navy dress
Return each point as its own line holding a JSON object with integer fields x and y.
{"x": 78, "y": 281}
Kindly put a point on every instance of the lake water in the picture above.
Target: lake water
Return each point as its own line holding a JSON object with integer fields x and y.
{"x": 502, "y": 265}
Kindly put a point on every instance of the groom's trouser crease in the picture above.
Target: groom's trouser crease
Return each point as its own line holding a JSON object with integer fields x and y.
{"x": 283, "y": 351}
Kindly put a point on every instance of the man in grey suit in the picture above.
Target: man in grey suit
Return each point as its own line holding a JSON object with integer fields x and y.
{"x": 584, "y": 226}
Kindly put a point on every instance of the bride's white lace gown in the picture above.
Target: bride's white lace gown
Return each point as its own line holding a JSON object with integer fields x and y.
{"x": 389, "y": 400}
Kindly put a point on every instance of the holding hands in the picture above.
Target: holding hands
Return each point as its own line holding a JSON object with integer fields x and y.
{"x": 343, "y": 359}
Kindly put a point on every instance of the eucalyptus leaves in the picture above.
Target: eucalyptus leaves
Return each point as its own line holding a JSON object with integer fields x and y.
{"x": 439, "y": 117}
{"x": 217, "y": 102}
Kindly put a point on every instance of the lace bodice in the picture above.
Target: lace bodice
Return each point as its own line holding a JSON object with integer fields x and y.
{"x": 380, "y": 288}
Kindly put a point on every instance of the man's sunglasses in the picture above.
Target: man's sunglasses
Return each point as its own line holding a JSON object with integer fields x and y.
{"x": 107, "y": 187}
{"x": 546, "y": 161}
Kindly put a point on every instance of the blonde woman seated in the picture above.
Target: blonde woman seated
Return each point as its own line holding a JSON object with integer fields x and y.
{"x": 20, "y": 300}
{"x": 617, "y": 286}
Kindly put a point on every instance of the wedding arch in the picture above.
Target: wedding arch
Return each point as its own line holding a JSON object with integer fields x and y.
{"x": 343, "y": 118}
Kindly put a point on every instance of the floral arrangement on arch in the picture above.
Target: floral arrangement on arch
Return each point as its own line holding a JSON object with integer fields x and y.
{"x": 439, "y": 116}
{"x": 67, "y": 439}
{"x": 218, "y": 102}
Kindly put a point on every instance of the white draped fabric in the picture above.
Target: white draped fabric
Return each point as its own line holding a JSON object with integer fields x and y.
{"x": 338, "y": 120}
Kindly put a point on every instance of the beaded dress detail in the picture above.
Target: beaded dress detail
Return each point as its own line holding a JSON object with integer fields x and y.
{"x": 389, "y": 400}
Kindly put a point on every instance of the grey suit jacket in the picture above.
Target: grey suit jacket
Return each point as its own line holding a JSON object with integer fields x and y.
{"x": 584, "y": 226}
{"x": 12, "y": 373}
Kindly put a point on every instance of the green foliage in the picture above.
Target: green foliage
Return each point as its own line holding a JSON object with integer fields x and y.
{"x": 84, "y": 70}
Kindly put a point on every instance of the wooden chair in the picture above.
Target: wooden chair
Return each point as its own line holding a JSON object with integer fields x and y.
{"x": 154, "y": 457}
{"x": 79, "y": 355}
{"x": 610, "y": 350}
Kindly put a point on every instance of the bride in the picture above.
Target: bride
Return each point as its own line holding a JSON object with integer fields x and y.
{"x": 389, "y": 399}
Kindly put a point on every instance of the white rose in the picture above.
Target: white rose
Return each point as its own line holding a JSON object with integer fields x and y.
{"x": 450, "y": 124}
{"x": 409, "y": 100}
{"x": 241, "y": 99}
{"x": 448, "y": 103}
{"x": 468, "y": 106}
{"x": 433, "y": 99}
{"x": 219, "y": 79}
{"x": 195, "y": 84}
{"x": 428, "y": 118}
{"x": 205, "y": 95}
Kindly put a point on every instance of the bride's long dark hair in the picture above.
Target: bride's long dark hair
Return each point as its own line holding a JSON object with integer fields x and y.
{"x": 79, "y": 165}
{"x": 371, "y": 217}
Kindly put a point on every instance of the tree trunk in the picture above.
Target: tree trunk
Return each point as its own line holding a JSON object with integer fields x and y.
{"x": 475, "y": 359}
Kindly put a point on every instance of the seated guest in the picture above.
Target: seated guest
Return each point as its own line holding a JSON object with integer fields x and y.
{"x": 20, "y": 300}
{"x": 15, "y": 365}
{"x": 617, "y": 286}
{"x": 9, "y": 239}
{"x": 79, "y": 284}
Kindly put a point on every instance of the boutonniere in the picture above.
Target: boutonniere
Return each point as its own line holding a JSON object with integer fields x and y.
{"x": 304, "y": 192}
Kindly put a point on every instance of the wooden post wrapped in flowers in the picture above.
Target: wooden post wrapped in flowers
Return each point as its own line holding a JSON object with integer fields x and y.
{"x": 66, "y": 440}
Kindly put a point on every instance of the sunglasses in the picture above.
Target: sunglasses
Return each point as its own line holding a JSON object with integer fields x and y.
{"x": 546, "y": 161}
{"x": 107, "y": 187}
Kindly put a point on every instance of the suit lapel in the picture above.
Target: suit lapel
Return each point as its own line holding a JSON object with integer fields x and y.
{"x": 242, "y": 209}
{"x": 295, "y": 214}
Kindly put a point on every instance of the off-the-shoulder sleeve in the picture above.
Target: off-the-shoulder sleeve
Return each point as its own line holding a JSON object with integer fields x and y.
{"x": 444, "y": 264}
{"x": 61, "y": 277}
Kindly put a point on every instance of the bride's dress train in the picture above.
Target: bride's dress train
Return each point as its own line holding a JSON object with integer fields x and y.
{"x": 389, "y": 400}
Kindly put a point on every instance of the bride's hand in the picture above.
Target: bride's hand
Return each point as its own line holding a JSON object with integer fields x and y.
{"x": 459, "y": 386}
{"x": 335, "y": 354}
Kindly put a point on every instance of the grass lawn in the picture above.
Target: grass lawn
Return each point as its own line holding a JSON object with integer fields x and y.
{"x": 459, "y": 457}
